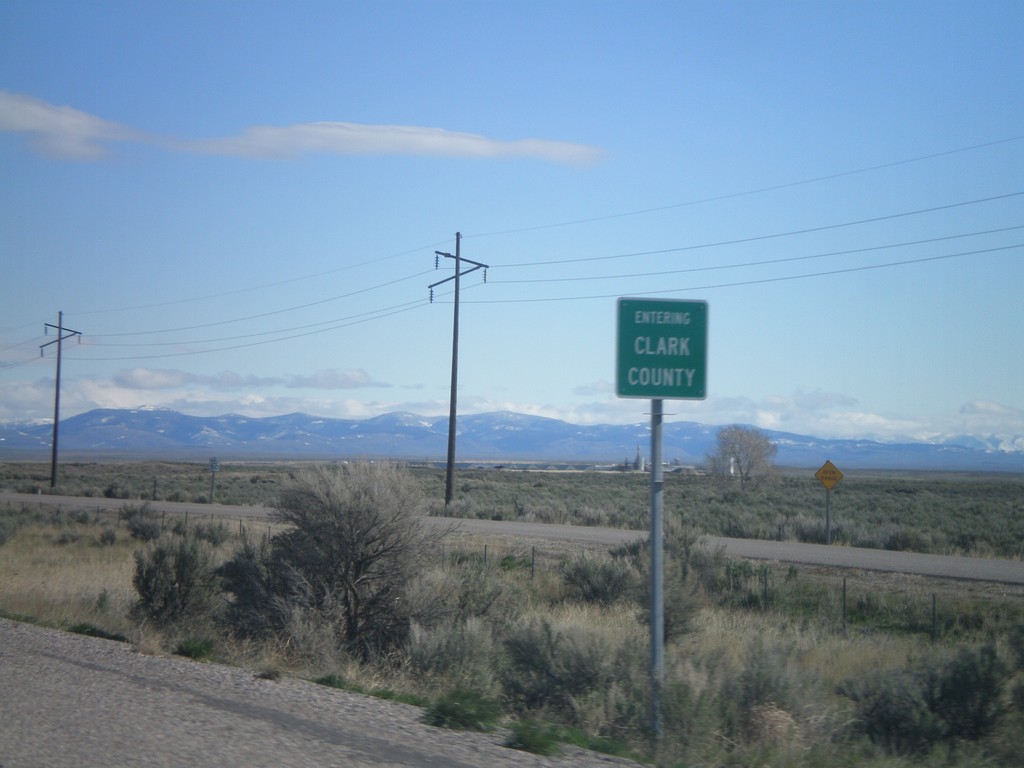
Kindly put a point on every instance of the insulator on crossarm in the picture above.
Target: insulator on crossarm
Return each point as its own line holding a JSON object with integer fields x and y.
{"x": 431, "y": 295}
{"x": 437, "y": 260}
{"x": 485, "y": 275}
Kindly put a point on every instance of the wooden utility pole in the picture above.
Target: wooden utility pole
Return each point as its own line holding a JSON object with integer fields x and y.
{"x": 61, "y": 331}
{"x": 449, "y": 483}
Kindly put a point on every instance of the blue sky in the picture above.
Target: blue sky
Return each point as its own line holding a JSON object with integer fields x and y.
{"x": 238, "y": 204}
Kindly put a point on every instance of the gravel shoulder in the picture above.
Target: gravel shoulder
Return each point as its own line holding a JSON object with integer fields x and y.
{"x": 76, "y": 701}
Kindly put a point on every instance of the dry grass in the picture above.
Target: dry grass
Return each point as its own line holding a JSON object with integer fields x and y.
{"x": 62, "y": 575}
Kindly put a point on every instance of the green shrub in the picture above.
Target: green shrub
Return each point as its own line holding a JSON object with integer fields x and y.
{"x": 969, "y": 693}
{"x": 551, "y": 668}
{"x": 196, "y": 648}
{"x": 333, "y": 681}
{"x": 141, "y": 522}
{"x": 91, "y": 630}
{"x": 174, "y": 579}
{"x": 215, "y": 533}
{"x": 596, "y": 579}
{"x": 533, "y": 736}
{"x": 465, "y": 710}
{"x": 909, "y": 710}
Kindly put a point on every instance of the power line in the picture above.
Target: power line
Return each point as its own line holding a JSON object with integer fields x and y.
{"x": 755, "y": 191}
{"x": 739, "y": 283}
{"x": 250, "y": 289}
{"x": 775, "y": 235}
{"x": 377, "y": 314}
{"x": 295, "y": 308}
{"x": 762, "y": 263}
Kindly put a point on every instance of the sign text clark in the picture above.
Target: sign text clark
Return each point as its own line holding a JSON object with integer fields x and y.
{"x": 662, "y": 349}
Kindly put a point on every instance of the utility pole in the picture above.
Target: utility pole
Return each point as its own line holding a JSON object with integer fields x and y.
{"x": 59, "y": 341}
{"x": 449, "y": 483}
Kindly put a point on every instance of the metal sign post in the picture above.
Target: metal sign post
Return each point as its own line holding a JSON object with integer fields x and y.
{"x": 828, "y": 475}
{"x": 214, "y": 469}
{"x": 661, "y": 353}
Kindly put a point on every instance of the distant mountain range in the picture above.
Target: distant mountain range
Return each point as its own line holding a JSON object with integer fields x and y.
{"x": 156, "y": 433}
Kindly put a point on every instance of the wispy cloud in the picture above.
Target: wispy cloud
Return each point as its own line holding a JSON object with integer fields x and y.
{"x": 149, "y": 379}
{"x": 68, "y": 132}
{"x": 60, "y": 131}
{"x": 330, "y": 378}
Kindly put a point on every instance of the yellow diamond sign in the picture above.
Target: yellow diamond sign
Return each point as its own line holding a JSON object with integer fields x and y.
{"x": 829, "y": 475}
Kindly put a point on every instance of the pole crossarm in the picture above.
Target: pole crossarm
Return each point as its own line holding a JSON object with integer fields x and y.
{"x": 62, "y": 334}
{"x": 476, "y": 265}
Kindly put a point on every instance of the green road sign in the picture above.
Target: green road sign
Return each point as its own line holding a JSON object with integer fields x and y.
{"x": 662, "y": 349}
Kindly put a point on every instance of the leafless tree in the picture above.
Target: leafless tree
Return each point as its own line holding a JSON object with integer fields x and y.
{"x": 744, "y": 454}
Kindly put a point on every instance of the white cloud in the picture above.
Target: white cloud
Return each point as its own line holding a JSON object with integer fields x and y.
{"x": 330, "y": 378}
{"x": 68, "y": 132}
{"x": 163, "y": 378}
{"x": 60, "y": 131}
{"x": 358, "y": 139}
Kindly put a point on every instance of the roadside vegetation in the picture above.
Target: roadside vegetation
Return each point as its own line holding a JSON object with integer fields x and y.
{"x": 974, "y": 515}
{"x": 765, "y": 665}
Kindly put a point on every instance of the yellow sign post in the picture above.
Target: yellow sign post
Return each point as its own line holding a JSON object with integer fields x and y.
{"x": 828, "y": 476}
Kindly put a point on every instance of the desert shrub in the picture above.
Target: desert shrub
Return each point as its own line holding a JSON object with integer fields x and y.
{"x": 549, "y": 668}
{"x": 968, "y": 698}
{"x": 356, "y": 538}
{"x": 215, "y": 533}
{"x": 141, "y": 522}
{"x": 257, "y": 606}
{"x": 464, "y": 653}
{"x": 595, "y": 579}
{"x": 174, "y": 579}
{"x": 108, "y": 536}
{"x": 532, "y": 736}
{"x": 892, "y": 711}
{"x": 909, "y": 710}
{"x": 198, "y": 648}
{"x": 91, "y": 630}
{"x": 465, "y": 710}
{"x": 687, "y": 566}
{"x": 765, "y": 680}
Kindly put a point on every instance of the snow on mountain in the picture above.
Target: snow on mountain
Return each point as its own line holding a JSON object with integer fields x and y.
{"x": 492, "y": 437}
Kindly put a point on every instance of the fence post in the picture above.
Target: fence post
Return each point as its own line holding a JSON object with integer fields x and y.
{"x": 844, "y": 605}
{"x": 765, "y": 575}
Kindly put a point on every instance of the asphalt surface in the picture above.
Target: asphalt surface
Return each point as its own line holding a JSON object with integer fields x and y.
{"x": 940, "y": 566}
{"x": 68, "y": 701}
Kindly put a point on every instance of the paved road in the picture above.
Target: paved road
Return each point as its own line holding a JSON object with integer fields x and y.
{"x": 943, "y": 566}
{"x": 68, "y": 701}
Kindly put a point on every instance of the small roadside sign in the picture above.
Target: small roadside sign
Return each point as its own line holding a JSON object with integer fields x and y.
{"x": 214, "y": 465}
{"x": 829, "y": 475}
